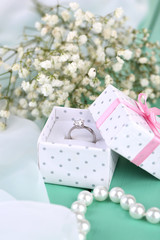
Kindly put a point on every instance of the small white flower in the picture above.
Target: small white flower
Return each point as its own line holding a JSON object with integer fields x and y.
{"x": 120, "y": 60}
{"x": 42, "y": 78}
{"x": 51, "y": 20}
{"x": 23, "y": 103}
{"x": 23, "y": 73}
{"x": 138, "y": 52}
{"x": 79, "y": 15}
{"x": 25, "y": 86}
{"x": 117, "y": 67}
{"x": 58, "y": 32}
{"x": 36, "y": 64}
{"x": 46, "y": 64}
{"x": 108, "y": 80}
{"x": 144, "y": 82}
{"x": 63, "y": 58}
{"x": 88, "y": 16}
{"x": 65, "y": 15}
{"x": 92, "y": 73}
{"x": 143, "y": 60}
{"x": 35, "y": 113}
{"x": 127, "y": 54}
{"x": 97, "y": 27}
{"x": 57, "y": 83}
{"x": 46, "y": 89}
{"x": 72, "y": 67}
{"x": 2, "y": 126}
{"x": 132, "y": 77}
{"x": 82, "y": 39}
{"x": 38, "y": 26}
{"x": 74, "y": 5}
{"x": 44, "y": 31}
{"x": 15, "y": 67}
{"x": 100, "y": 55}
{"x": 4, "y": 114}
{"x": 13, "y": 79}
{"x": 86, "y": 81}
{"x": 71, "y": 35}
{"x": 132, "y": 94}
{"x": 107, "y": 31}
{"x": 155, "y": 79}
{"x": 126, "y": 92}
{"x": 32, "y": 104}
{"x": 118, "y": 12}
{"x": 17, "y": 91}
{"x": 20, "y": 52}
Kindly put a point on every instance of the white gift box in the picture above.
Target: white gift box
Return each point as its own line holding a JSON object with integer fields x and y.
{"x": 74, "y": 162}
{"x": 125, "y": 131}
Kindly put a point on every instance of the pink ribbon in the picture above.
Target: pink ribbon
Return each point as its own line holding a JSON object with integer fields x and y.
{"x": 149, "y": 115}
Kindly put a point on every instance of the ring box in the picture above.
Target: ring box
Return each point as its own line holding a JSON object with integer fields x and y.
{"x": 74, "y": 162}
{"x": 126, "y": 131}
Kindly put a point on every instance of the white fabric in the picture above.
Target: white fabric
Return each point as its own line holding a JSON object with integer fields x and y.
{"x": 19, "y": 174}
{"x": 35, "y": 221}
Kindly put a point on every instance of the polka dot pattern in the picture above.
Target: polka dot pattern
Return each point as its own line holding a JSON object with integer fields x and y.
{"x": 84, "y": 168}
{"x": 125, "y": 131}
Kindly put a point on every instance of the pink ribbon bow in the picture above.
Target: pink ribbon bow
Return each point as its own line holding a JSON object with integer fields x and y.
{"x": 149, "y": 114}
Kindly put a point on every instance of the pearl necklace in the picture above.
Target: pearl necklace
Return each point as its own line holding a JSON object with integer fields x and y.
{"x": 116, "y": 195}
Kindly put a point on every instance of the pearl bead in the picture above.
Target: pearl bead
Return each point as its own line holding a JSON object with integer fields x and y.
{"x": 137, "y": 210}
{"x": 86, "y": 197}
{"x": 79, "y": 207}
{"x": 83, "y": 226}
{"x": 126, "y": 201}
{"x": 81, "y": 236}
{"x": 79, "y": 216}
{"x": 153, "y": 215}
{"x": 115, "y": 194}
{"x": 100, "y": 193}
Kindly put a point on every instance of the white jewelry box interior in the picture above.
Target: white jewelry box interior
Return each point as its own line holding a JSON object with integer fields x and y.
{"x": 63, "y": 122}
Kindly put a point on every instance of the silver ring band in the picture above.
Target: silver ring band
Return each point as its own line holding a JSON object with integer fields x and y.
{"x": 79, "y": 124}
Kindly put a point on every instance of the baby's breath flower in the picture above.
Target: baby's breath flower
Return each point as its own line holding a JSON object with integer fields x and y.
{"x": 127, "y": 54}
{"x": 73, "y": 57}
{"x": 35, "y": 113}
{"x": 23, "y": 103}
{"x": 97, "y": 27}
{"x": 15, "y": 67}
{"x": 44, "y": 31}
{"x": 23, "y": 72}
{"x": 144, "y": 82}
{"x": 2, "y": 126}
{"x": 82, "y": 39}
{"x": 46, "y": 64}
{"x": 25, "y": 86}
{"x": 118, "y": 12}
{"x": 117, "y": 67}
{"x": 92, "y": 73}
{"x": 65, "y": 15}
{"x": 74, "y": 5}
{"x": 143, "y": 60}
{"x": 89, "y": 16}
{"x": 46, "y": 89}
{"x": 38, "y": 26}
{"x": 108, "y": 80}
{"x": 120, "y": 60}
{"x": 4, "y": 114}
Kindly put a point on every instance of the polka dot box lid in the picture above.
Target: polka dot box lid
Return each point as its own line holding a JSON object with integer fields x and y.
{"x": 125, "y": 131}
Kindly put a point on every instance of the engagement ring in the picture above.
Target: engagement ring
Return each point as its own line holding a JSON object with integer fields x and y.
{"x": 79, "y": 124}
